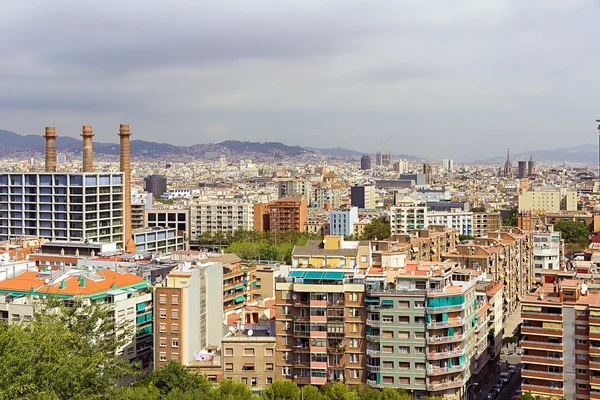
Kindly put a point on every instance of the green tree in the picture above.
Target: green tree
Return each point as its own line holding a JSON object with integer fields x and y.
{"x": 282, "y": 390}
{"x": 395, "y": 394}
{"x": 230, "y": 390}
{"x": 339, "y": 391}
{"x": 379, "y": 228}
{"x": 574, "y": 232}
{"x": 62, "y": 353}
{"x": 313, "y": 393}
{"x": 465, "y": 237}
{"x": 512, "y": 220}
{"x": 173, "y": 376}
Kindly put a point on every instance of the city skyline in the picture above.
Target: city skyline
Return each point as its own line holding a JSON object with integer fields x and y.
{"x": 326, "y": 73}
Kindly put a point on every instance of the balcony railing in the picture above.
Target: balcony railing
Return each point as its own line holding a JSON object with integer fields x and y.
{"x": 373, "y": 322}
{"x": 446, "y": 370}
{"x": 373, "y": 338}
{"x": 373, "y": 368}
{"x": 373, "y": 353}
{"x": 434, "y": 310}
{"x": 446, "y": 324}
{"x": 542, "y": 389}
{"x": 446, "y": 385}
{"x": 445, "y": 354}
{"x": 445, "y": 339}
{"x": 373, "y": 383}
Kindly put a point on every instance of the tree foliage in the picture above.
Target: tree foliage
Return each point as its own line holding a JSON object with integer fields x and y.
{"x": 513, "y": 219}
{"x": 253, "y": 245}
{"x": 574, "y": 232}
{"x": 379, "y": 228}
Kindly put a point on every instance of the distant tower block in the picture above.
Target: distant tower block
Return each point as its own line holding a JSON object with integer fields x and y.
{"x": 124, "y": 134}
{"x": 50, "y": 136}
{"x": 88, "y": 155}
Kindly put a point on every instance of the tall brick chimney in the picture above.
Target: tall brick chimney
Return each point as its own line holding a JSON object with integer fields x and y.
{"x": 124, "y": 134}
{"x": 50, "y": 136}
{"x": 88, "y": 155}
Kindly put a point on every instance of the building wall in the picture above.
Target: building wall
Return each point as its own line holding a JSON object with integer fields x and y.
{"x": 249, "y": 359}
{"x": 59, "y": 206}
{"x": 342, "y": 222}
{"x": 178, "y": 219}
{"x": 550, "y": 201}
{"x": 220, "y": 216}
{"x": 406, "y": 217}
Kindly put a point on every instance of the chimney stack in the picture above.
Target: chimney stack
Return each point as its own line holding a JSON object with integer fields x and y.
{"x": 124, "y": 134}
{"x": 50, "y": 136}
{"x": 88, "y": 157}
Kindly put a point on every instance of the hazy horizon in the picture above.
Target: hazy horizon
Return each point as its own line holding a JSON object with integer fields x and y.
{"x": 436, "y": 79}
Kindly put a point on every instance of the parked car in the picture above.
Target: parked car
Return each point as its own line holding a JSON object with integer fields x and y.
{"x": 491, "y": 395}
{"x": 497, "y": 388}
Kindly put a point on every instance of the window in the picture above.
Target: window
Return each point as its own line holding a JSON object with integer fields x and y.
{"x": 354, "y": 374}
{"x": 228, "y": 366}
{"x": 248, "y": 352}
{"x": 353, "y": 343}
{"x": 387, "y": 349}
{"x": 286, "y": 294}
{"x": 268, "y": 352}
{"x": 403, "y": 349}
{"x": 554, "y": 369}
{"x": 175, "y": 299}
{"x": 403, "y": 304}
{"x": 175, "y": 328}
{"x": 175, "y": 356}
{"x": 286, "y": 356}
{"x": 387, "y": 334}
{"x": 581, "y": 341}
{"x": 285, "y": 310}
{"x": 403, "y": 319}
{"x": 353, "y": 358}
{"x": 285, "y": 340}
{"x": 580, "y": 327}
{"x": 420, "y": 366}
{"x": 229, "y": 351}
{"x": 353, "y": 296}
{"x": 387, "y": 319}
{"x": 388, "y": 365}
{"x": 175, "y": 343}
{"x": 174, "y": 314}
{"x": 420, "y": 381}
{"x": 581, "y": 371}
{"x": 581, "y": 313}
{"x": 419, "y": 320}
{"x": 353, "y": 312}
{"x": 245, "y": 381}
{"x": 388, "y": 380}
{"x": 402, "y": 380}
{"x": 162, "y": 313}
{"x": 248, "y": 367}
{"x": 163, "y": 299}
{"x": 403, "y": 335}
{"x": 419, "y": 350}
{"x": 419, "y": 304}
{"x": 404, "y": 365}
{"x": 363, "y": 259}
{"x": 269, "y": 367}
{"x": 419, "y": 335}
{"x": 353, "y": 328}
{"x": 163, "y": 327}
{"x": 581, "y": 386}
{"x": 269, "y": 380}
{"x": 581, "y": 356}
{"x": 163, "y": 357}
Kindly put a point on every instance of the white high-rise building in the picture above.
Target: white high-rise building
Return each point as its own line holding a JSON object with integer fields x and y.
{"x": 448, "y": 165}
{"x": 407, "y": 216}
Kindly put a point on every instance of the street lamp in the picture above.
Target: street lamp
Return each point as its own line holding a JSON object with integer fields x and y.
{"x": 469, "y": 386}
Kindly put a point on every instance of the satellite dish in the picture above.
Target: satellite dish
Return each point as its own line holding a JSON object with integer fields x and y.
{"x": 250, "y": 332}
{"x": 232, "y": 329}
{"x": 46, "y": 281}
{"x": 294, "y": 296}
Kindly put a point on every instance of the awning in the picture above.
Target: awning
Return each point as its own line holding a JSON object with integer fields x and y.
{"x": 314, "y": 275}
{"x": 371, "y": 300}
{"x": 387, "y": 302}
{"x": 239, "y": 287}
{"x": 248, "y": 365}
{"x": 254, "y": 285}
{"x": 239, "y": 299}
{"x": 98, "y": 296}
{"x": 140, "y": 286}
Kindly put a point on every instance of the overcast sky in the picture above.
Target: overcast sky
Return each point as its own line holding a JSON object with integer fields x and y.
{"x": 435, "y": 78}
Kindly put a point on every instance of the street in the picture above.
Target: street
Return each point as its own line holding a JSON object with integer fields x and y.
{"x": 509, "y": 390}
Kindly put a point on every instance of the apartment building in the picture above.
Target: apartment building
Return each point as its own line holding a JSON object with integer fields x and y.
{"x": 220, "y": 215}
{"x": 171, "y": 217}
{"x": 548, "y": 253}
{"x": 327, "y": 196}
{"x": 130, "y": 298}
{"x": 406, "y": 216}
{"x": 456, "y": 218}
{"x": 62, "y": 206}
{"x": 187, "y": 303}
{"x": 317, "y": 227}
{"x": 320, "y": 330}
{"x": 158, "y": 240}
{"x": 341, "y": 223}
{"x": 265, "y": 276}
{"x": 332, "y": 252}
{"x": 363, "y": 196}
{"x": 484, "y": 222}
{"x": 249, "y": 357}
{"x": 295, "y": 188}
{"x": 426, "y": 244}
{"x": 548, "y": 199}
{"x": 561, "y": 338}
{"x": 287, "y": 214}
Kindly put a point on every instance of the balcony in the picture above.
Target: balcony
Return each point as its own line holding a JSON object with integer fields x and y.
{"x": 373, "y": 307}
{"x": 373, "y": 368}
{"x": 445, "y": 339}
{"x": 594, "y": 351}
{"x": 595, "y": 380}
{"x": 538, "y": 389}
{"x": 446, "y": 385}
{"x": 594, "y": 320}
{"x": 439, "y": 310}
{"x": 529, "y": 344}
{"x": 318, "y": 380}
{"x": 594, "y": 394}
{"x": 373, "y": 322}
{"x": 447, "y": 324}
{"x": 318, "y": 318}
{"x": 446, "y": 370}
{"x": 542, "y": 360}
{"x": 445, "y": 354}
{"x": 541, "y": 331}
{"x": 541, "y": 316}
{"x": 531, "y": 373}
{"x": 373, "y": 338}
{"x": 318, "y": 303}
{"x": 595, "y": 365}
{"x": 373, "y": 353}
{"x": 373, "y": 384}
{"x": 318, "y": 364}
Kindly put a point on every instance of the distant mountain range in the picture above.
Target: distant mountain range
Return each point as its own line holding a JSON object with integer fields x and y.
{"x": 11, "y": 142}
{"x": 585, "y": 153}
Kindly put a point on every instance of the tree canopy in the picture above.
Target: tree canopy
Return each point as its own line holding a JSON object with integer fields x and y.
{"x": 379, "y": 228}
{"x": 574, "y": 232}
